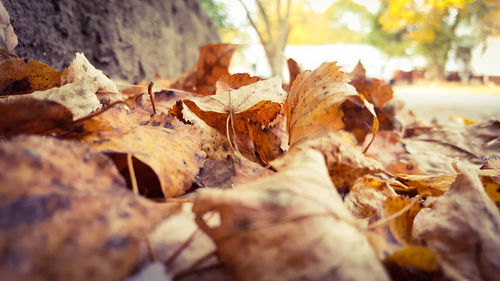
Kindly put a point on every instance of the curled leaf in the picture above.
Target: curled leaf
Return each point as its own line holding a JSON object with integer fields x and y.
{"x": 288, "y": 226}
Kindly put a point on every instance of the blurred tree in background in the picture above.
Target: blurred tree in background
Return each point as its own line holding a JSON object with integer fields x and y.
{"x": 273, "y": 28}
{"x": 435, "y": 27}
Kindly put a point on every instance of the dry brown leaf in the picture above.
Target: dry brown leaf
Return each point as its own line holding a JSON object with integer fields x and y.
{"x": 32, "y": 116}
{"x": 491, "y": 162}
{"x": 18, "y": 77}
{"x": 66, "y": 213}
{"x": 345, "y": 162}
{"x": 367, "y": 196}
{"x": 428, "y": 185}
{"x": 234, "y": 81}
{"x": 401, "y": 227}
{"x": 374, "y": 90}
{"x": 293, "y": 70}
{"x": 390, "y": 151}
{"x": 81, "y": 69}
{"x": 359, "y": 71}
{"x": 225, "y": 173}
{"x": 212, "y": 64}
{"x": 162, "y": 144}
{"x": 179, "y": 243}
{"x": 436, "y": 148}
{"x": 254, "y": 107}
{"x": 415, "y": 257}
{"x": 491, "y": 182}
{"x": 85, "y": 89}
{"x": 461, "y": 227}
{"x": 322, "y": 101}
{"x": 289, "y": 226}
{"x": 404, "y": 167}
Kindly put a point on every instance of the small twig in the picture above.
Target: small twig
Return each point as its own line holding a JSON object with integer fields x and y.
{"x": 133, "y": 179}
{"x": 152, "y": 96}
{"x": 162, "y": 89}
{"x": 395, "y": 215}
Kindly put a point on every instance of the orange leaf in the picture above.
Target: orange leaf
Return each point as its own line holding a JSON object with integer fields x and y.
{"x": 18, "y": 77}
{"x": 213, "y": 63}
{"x": 168, "y": 149}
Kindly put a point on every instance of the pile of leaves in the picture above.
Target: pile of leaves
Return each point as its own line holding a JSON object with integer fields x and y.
{"x": 219, "y": 176}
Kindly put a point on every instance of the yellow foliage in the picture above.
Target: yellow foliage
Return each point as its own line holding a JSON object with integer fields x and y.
{"x": 424, "y": 18}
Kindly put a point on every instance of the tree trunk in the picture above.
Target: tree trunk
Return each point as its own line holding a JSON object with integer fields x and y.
{"x": 439, "y": 56}
{"x": 275, "y": 54}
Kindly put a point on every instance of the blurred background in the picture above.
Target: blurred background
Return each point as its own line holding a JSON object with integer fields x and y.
{"x": 399, "y": 40}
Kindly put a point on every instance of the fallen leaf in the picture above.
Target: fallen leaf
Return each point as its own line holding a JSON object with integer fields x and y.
{"x": 322, "y": 101}
{"x": 376, "y": 91}
{"x": 254, "y": 108}
{"x": 162, "y": 144}
{"x": 345, "y": 161}
{"x": 65, "y": 213}
{"x": 491, "y": 162}
{"x": 212, "y": 64}
{"x": 434, "y": 149}
{"x": 293, "y": 70}
{"x": 491, "y": 183}
{"x": 234, "y": 81}
{"x": 288, "y": 226}
{"x": 404, "y": 167}
{"x": 416, "y": 257}
{"x": 428, "y": 185}
{"x": 81, "y": 69}
{"x": 80, "y": 93}
{"x": 178, "y": 243}
{"x": 18, "y": 77}
{"x": 461, "y": 227}
{"x": 32, "y": 116}
{"x": 359, "y": 71}
{"x": 367, "y": 196}
{"x": 224, "y": 174}
{"x": 401, "y": 226}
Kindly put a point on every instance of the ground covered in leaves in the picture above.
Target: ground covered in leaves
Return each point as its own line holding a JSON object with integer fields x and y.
{"x": 219, "y": 176}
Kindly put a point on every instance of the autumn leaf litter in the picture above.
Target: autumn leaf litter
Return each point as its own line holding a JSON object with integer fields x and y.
{"x": 235, "y": 178}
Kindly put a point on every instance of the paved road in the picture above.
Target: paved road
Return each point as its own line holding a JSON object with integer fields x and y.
{"x": 441, "y": 103}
